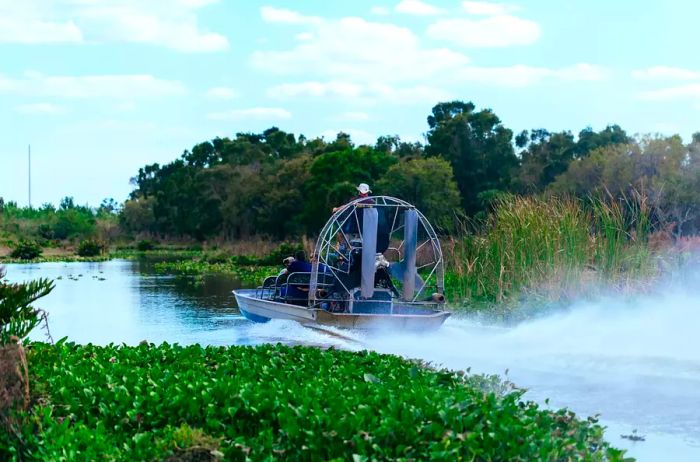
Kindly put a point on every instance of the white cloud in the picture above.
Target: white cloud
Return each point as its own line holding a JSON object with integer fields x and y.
{"x": 91, "y": 86}
{"x": 358, "y": 93}
{"x": 493, "y": 31}
{"x": 380, "y": 10}
{"x": 488, "y": 8}
{"x": 521, "y": 75}
{"x": 304, "y": 36}
{"x": 264, "y": 113}
{"x": 40, "y": 108}
{"x": 280, "y": 15}
{"x": 665, "y": 73}
{"x": 417, "y": 8}
{"x": 172, "y": 24}
{"x": 222, "y": 93}
{"x": 316, "y": 89}
{"x": 37, "y": 31}
{"x": 690, "y": 91}
{"x": 353, "y": 48}
{"x": 356, "y": 116}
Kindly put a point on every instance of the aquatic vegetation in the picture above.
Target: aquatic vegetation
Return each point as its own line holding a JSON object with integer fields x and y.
{"x": 156, "y": 254}
{"x": 248, "y": 275}
{"x": 277, "y": 402}
{"x": 550, "y": 249}
{"x": 57, "y": 258}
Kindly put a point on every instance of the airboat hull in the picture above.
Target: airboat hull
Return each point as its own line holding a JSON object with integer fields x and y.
{"x": 262, "y": 310}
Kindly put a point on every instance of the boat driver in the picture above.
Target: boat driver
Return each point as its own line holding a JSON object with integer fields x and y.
{"x": 362, "y": 193}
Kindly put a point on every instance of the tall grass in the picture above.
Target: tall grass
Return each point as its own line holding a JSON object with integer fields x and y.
{"x": 550, "y": 249}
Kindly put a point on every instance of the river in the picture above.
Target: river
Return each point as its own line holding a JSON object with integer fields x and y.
{"x": 636, "y": 362}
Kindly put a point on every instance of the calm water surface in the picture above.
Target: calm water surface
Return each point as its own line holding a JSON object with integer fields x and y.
{"x": 123, "y": 301}
{"x": 637, "y": 364}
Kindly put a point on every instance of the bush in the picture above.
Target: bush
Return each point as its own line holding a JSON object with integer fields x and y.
{"x": 26, "y": 250}
{"x": 90, "y": 248}
{"x": 45, "y": 231}
{"x": 145, "y": 245}
{"x": 274, "y": 258}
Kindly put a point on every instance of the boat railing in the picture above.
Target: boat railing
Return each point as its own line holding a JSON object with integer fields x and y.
{"x": 293, "y": 288}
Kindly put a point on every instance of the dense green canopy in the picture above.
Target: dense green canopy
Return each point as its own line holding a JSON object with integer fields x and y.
{"x": 281, "y": 185}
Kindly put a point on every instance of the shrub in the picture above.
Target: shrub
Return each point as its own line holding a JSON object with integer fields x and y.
{"x": 145, "y": 245}
{"x": 45, "y": 231}
{"x": 90, "y": 248}
{"x": 26, "y": 250}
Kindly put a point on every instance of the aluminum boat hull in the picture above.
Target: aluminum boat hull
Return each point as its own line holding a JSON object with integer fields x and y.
{"x": 261, "y": 310}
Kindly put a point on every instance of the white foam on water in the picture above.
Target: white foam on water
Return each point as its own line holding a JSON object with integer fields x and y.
{"x": 635, "y": 361}
{"x": 291, "y": 332}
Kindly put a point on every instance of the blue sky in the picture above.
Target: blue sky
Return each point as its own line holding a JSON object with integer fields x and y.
{"x": 101, "y": 88}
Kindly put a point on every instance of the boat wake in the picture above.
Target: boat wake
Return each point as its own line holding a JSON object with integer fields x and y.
{"x": 633, "y": 361}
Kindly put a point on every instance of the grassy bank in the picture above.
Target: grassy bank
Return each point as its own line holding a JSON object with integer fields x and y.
{"x": 277, "y": 402}
{"x": 532, "y": 252}
{"x": 553, "y": 250}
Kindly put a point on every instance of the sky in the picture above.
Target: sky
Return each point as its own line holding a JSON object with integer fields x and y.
{"x": 100, "y": 88}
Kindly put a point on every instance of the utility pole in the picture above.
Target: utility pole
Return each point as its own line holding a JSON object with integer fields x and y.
{"x": 29, "y": 162}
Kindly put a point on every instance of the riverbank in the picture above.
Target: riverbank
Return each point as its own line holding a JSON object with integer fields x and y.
{"x": 276, "y": 402}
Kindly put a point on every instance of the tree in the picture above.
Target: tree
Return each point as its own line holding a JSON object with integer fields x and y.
{"x": 402, "y": 149}
{"x": 588, "y": 140}
{"x": 137, "y": 215}
{"x": 546, "y": 155}
{"x": 333, "y": 177}
{"x": 428, "y": 184}
{"x": 477, "y": 146}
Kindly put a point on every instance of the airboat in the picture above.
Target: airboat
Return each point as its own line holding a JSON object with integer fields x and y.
{"x": 377, "y": 264}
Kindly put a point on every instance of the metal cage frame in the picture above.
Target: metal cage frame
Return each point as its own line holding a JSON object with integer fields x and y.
{"x": 327, "y": 245}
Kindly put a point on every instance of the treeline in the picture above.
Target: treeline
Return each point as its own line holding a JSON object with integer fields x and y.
{"x": 277, "y": 184}
{"x": 67, "y": 222}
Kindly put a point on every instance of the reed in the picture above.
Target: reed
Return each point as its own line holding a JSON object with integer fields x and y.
{"x": 550, "y": 249}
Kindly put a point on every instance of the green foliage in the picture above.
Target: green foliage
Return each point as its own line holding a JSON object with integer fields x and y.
{"x": 286, "y": 403}
{"x": 138, "y": 215}
{"x": 334, "y": 176}
{"x": 73, "y": 221}
{"x": 145, "y": 245}
{"x": 17, "y": 316}
{"x": 550, "y": 249}
{"x": 26, "y": 250}
{"x": 429, "y": 185}
{"x": 275, "y": 257}
{"x": 49, "y": 225}
{"x": 90, "y": 248}
{"x": 477, "y": 145}
{"x": 547, "y": 156}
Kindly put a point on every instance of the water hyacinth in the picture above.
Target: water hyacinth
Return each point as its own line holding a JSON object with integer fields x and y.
{"x": 277, "y": 402}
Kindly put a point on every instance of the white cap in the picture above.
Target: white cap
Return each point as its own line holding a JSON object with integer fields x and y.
{"x": 363, "y": 188}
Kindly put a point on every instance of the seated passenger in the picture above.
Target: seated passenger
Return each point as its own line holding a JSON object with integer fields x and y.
{"x": 282, "y": 276}
{"x": 299, "y": 265}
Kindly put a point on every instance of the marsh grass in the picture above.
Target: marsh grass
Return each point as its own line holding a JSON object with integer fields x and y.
{"x": 551, "y": 249}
